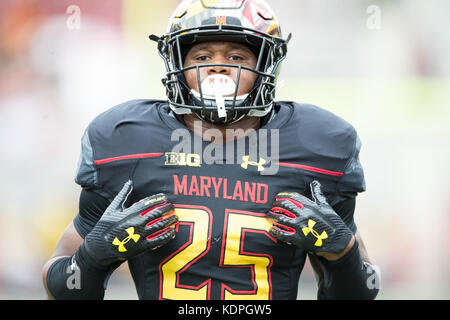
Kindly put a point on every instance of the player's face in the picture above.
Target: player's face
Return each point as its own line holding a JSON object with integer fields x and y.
{"x": 221, "y": 53}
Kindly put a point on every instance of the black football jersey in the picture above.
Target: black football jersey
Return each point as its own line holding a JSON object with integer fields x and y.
{"x": 223, "y": 249}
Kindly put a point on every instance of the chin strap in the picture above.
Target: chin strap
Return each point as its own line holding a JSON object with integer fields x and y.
{"x": 213, "y": 117}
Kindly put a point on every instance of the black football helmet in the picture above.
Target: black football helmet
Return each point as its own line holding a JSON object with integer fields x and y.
{"x": 250, "y": 22}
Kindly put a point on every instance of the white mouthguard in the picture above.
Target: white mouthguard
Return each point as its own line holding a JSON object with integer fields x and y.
{"x": 219, "y": 88}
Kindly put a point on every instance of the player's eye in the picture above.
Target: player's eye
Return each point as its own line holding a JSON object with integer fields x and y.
{"x": 203, "y": 58}
{"x": 236, "y": 58}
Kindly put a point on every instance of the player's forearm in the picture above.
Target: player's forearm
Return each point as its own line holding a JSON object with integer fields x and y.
{"x": 347, "y": 278}
{"x": 75, "y": 278}
{"x": 45, "y": 269}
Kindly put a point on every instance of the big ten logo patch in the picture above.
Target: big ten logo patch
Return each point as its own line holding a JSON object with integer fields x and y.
{"x": 182, "y": 159}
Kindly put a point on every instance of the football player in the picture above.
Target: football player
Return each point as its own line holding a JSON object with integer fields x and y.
{"x": 192, "y": 228}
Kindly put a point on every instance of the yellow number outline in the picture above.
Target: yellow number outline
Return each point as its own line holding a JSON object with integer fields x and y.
{"x": 199, "y": 218}
{"x": 236, "y": 225}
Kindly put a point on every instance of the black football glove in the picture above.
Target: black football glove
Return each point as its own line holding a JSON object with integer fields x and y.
{"x": 121, "y": 233}
{"x": 311, "y": 225}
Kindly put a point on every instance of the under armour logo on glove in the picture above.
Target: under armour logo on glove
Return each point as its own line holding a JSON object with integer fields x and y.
{"x": 311, "y": 225}
{"x": 131, "y": 236}
{"x": 320, "y": 237}
{"x": 122, "y": 233}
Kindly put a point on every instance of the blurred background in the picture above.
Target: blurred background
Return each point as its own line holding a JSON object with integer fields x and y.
{"x": 382, "y": 65}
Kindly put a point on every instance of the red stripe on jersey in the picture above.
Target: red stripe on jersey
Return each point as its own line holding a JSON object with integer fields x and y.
{"x": 131, "y": 156}
{"x": 313, "y": 169}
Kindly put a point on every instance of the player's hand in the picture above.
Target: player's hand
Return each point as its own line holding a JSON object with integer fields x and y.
{"x": 122, "y": 233}
{"x": 311, "y": 225}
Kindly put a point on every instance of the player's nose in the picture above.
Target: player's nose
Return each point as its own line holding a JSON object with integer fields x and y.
{"x": 217, "y": 66}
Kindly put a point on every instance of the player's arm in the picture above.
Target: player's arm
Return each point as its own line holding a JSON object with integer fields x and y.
{"x": 318, "y": 272}
{"x": 345, "y": 209}
{"x": 314, "y": 226}
{"x": 349, "y": 277}
{"x": 80, "y": 268}
{"x": 66, "y": 247}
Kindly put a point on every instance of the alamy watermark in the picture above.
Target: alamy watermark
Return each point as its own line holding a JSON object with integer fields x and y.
{"x": 73, "y": 22}
{"x": 374, "y": 280}
{"x": 74, "y": 280}
{"x": 258, "y": 148}
{"x": 374, "y": 20}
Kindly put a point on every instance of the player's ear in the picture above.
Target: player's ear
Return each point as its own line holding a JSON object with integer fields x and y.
{"x": 317, "y": 195}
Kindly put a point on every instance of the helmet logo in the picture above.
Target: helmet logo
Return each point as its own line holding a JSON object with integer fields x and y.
{"x": 221, "y": 20}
